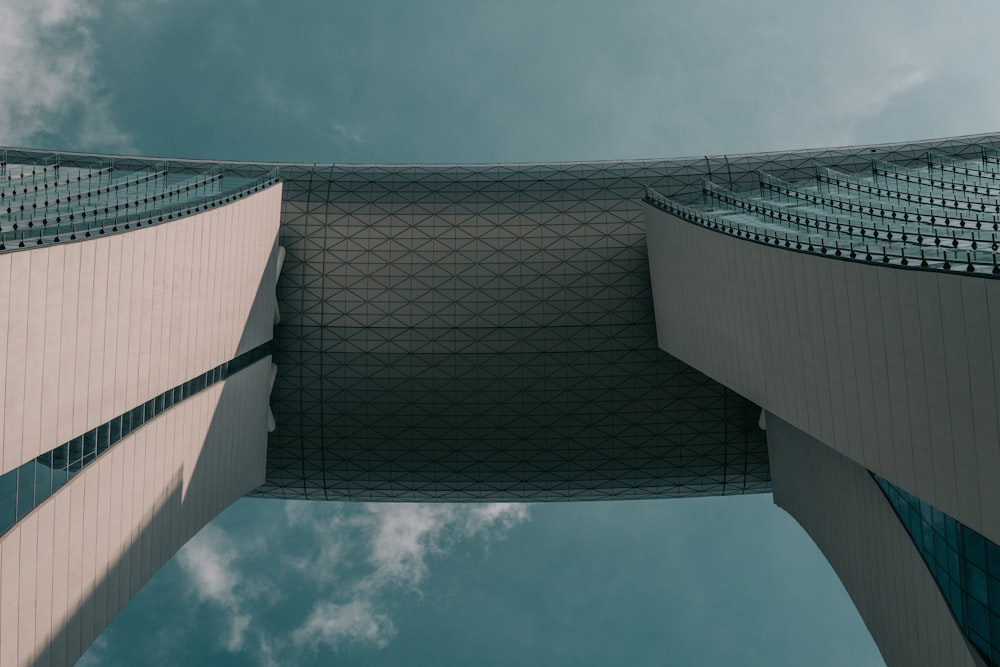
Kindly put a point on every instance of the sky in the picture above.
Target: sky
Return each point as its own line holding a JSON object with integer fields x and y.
{"x": 687, "y": 582}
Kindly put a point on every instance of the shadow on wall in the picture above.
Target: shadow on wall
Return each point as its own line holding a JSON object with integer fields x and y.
{"x": 229, "y": 462}
{"x": 209, "y": 473}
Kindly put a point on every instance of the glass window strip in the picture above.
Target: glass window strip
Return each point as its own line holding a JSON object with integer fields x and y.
{"x": 27, "y": 486}
{"x": 965, "y": 565}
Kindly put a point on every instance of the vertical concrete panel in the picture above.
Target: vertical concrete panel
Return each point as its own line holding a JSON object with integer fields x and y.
{"x": 744, "y": 337}
{"x": 745, "y": 348}
{"x": 136, "y": 279}
{"x": 199, "y": 290}
{"x": 792, "y": 336}
{"x": 110, "y": 389}
{"x": 155, "y": 370}
{"x": 983, "y": 396}
{"x": 989, "y": 453}
{"x": 144, "y": 328}
{"x": 834, "y": 425}
{"x": 898, "y": 408}
{"x": 138, "y": 512}
{"x": 34, "y": 356}
{"x": 222, "y": 300}
{"x": 820, "y": 378}
{"x": 862, "y": 359}
{"x": 959, "y": 398}
{"x": 236, "y": 291}
{"x": 10, "y": 567}
{"x": 177, "y": 257}
{"x": 151, "y": 493}
{"x": 127, "y": 533}
{"x": 27, "y": 594}
{"x": 773, "y": 305}
{"x": 74, "y": 573}
{"x": 44, "y": 519}
{"x": 50, "y": 359}
{"x": 879, "y": 441}
{"x": 17, "y": 341}
{"x": 60, "y": 575}
{"x": 724, "y": 340}
{"x": 852, "y": 401}
{"x": 84, "y": 342}
{"x": 810, "y": 340}
{"x": 921, "y": 460}
{"x": 945, "y": 495}
{"x": 116, "y": 465}
{"x": 88, "y": 577}
{"x": 5, "y": 293}
{"x": 98, "y": 343}
{"x": 706, "y": 345}
{"x": 678, "y": 336}
{"x": 214, "y": 460}
{"x": 160, "y": 481}
{"x": 261, "y": 243}
{"x": 765, "y": 355}
{"x": 123, "y": 330}
{"x": 173, "y": 463}
{"x": 102, "y": 537}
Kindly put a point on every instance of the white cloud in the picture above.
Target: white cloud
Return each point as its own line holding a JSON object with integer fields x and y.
{"x": 403, "y": 535}
{"x": 48, "y": 78}
{"x": 346, "y": 132}
{"x": 353, "y": 557}
{"x": 356, "y": 621}
{"x": 208, "y": 562}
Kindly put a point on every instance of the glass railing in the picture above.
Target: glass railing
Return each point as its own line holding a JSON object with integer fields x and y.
{"x": 52, "y": 205}
{"x": 910, "y": 218}
{"x": 27, "y": 486}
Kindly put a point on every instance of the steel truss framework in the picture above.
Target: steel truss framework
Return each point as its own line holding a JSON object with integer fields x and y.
{"x": 485, "y": 332}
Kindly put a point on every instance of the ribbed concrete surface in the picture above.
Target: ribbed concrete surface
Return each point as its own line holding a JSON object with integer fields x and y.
{"x": 94, "y": 328}
{"x": 893, "y": 368}
{"x": 69, "y": 566}
{"x": 852, "y": 523}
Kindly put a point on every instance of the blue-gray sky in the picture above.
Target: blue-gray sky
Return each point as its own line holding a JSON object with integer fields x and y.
{"x": 690, "y": 582}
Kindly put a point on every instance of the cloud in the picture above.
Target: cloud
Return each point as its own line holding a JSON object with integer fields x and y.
{"x": 346, "y": 132}
{"x": 48, "y": 78}
{"x": 352, "y": 560}
{"x": 209, "y": 563}
{"x": 331, "y": 624}
{"x": 403, "y": 535}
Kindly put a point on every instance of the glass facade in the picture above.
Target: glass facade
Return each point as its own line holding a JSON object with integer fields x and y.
{"x": 27, "y": 486}
{"x": 965, "y": 565}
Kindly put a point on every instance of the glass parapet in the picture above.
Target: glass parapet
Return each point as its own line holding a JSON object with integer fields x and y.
{"x": 942, "y": 215}
{"x": 965, "y": 565}
{"x": 51, "y": 203}
{"x": 27, "y": 486}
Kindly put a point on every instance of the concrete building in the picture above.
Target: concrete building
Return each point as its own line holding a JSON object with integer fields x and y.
{"x": 504, "y": 332}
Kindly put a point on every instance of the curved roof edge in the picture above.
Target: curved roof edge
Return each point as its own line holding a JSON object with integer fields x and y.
{"x": 33, "y": 155}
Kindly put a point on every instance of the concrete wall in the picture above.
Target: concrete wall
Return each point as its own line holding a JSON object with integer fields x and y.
{"x": 893, "y": 368}
{"x": 849, "y": 518}
{"x": 94, "y": 328}
{"x": 68, "y": 567}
